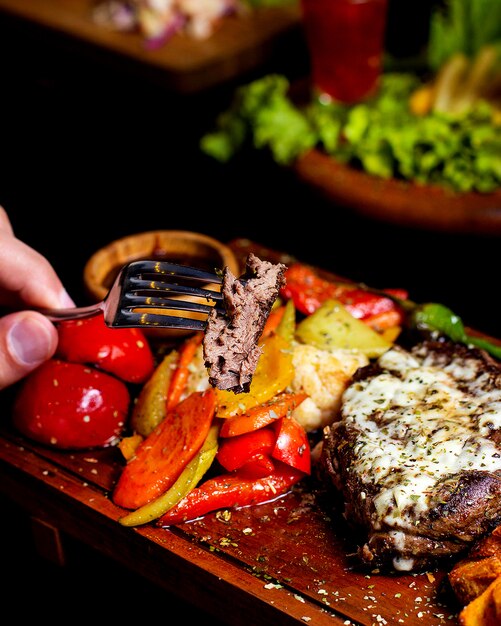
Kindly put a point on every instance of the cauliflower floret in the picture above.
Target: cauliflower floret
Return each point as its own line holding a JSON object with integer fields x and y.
{"x": 198, "y": 379}
{"x": 323, "y": 376}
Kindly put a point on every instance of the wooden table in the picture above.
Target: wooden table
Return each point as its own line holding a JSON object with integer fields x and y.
{"x": 187, "y": 65}
{"x": 285, "y": 562}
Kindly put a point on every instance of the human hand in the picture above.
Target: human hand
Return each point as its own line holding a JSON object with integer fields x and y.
{"x": 27, "y": 279}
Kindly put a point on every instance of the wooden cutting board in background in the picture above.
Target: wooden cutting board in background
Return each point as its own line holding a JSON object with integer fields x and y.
{"x": 240, "y": 44}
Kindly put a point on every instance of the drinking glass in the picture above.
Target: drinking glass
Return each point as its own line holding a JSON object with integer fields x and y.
{"x": 345, "y": 39}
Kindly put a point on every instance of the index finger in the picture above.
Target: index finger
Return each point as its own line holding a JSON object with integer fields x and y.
{"x": 27, "y": 277}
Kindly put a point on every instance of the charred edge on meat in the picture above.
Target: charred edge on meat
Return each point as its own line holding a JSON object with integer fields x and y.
{"x": 462, "y": 504}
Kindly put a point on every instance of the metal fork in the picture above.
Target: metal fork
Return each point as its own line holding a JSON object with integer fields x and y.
{"x": 141, "y": 296}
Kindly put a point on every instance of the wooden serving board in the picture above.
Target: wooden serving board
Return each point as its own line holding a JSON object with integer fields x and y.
{"x": 285, "y": 562}
{"x": 239, "y": 44}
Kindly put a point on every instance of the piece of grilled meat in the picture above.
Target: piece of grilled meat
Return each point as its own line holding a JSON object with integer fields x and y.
{"x": 417, "y": 454}
{"x": 230, "y": 344}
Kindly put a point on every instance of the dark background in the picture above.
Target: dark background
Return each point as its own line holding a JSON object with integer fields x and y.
{"x": 93, "y": 149}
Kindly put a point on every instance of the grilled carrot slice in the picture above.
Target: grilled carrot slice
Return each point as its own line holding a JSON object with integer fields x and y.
{"x": 261, "y": 415}
{"x": 180, "y": 376}
{"x": 162, "y": 456}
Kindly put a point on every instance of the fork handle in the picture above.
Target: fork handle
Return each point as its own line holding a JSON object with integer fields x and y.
{"x": 76, "y": 313}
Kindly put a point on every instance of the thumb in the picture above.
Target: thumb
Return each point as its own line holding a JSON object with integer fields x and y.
{"x": 27, "y": 339}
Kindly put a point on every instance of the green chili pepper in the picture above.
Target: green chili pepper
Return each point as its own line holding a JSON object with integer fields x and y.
{"x": 432, "y": 316}
{"x": 437, "y": 317}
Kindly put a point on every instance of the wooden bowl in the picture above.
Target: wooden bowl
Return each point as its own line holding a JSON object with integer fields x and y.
{"x": 178, "y": 246}
{"x": 429, "y": 207}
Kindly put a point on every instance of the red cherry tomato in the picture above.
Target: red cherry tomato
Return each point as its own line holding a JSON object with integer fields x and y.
{"x": 71, "y": 406}
{"x": 124, "y": 352}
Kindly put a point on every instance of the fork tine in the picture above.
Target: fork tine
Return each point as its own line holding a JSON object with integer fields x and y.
{"x": 155, "y": 286}
{"x": 147, "y": 302}
{"x": 172, "y": 269}
{"x": 128, "y": 319}
{"x": 133, "y": 290}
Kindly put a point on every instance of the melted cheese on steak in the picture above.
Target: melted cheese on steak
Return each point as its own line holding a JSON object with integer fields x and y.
{"x": 416, "y": 424}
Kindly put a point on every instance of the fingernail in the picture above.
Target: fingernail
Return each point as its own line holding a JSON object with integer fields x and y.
{"x": 28, "y": 341}
{"x": 65, "y": 300}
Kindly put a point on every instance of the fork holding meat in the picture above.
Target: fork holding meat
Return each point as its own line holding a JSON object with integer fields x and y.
{"x": 231, "y": 350}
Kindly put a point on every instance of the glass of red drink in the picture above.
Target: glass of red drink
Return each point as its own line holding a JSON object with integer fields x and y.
{"x": 345, "y": 40}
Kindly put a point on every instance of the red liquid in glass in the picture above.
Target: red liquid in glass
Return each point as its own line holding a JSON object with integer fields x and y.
{"x": 345, "y": 41}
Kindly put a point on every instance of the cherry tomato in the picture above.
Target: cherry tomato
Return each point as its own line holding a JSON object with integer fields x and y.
{"x": 124, "y": 352}
{"x": 71, "y": 406}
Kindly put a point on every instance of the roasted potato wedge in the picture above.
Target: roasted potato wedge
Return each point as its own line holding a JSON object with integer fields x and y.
{"x": 332, "y": 327}
{"x": 485, "y": 610}
{"x": 471, "y": 576}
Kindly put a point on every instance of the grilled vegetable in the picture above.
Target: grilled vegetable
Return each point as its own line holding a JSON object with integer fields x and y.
{"x": 124, "y": 352}
{"x": 71, "y": 406}
{"x": 163, "y": 455}
{"x": 333, "y": 327}
{"x": 274, "y": 372}
{"x": 438, "y": 318}
{"x": 188, "y": 479}
{"x": 151, "y": 405}
{"x": 262, "y": 415}
{"x": 231, "y": 490}
{"x": 308, "y": 291}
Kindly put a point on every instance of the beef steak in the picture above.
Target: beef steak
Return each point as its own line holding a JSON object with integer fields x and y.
{"x": 417, "y": 455}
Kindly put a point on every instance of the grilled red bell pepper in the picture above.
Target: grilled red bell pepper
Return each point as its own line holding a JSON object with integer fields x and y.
{"x": 308, "y": 291}
{"x": 292, "y": 446}
{"x": 124, "y": 352}
{"x": 71, "y": 406}
{"x": 230, "y": 491}
{"x": 262, "y": 465}
{"x": 235, "y": 452}
{"x": 281, "y": 438}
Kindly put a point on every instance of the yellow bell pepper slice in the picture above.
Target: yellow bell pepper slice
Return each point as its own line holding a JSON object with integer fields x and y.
{"x": 274, "y": 373}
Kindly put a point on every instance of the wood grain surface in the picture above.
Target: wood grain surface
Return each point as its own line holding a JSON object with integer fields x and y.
{"x": 239, "y": 44}
{"x": 289, "y": 561}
